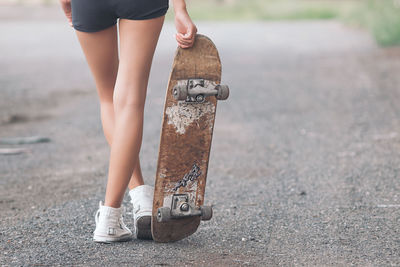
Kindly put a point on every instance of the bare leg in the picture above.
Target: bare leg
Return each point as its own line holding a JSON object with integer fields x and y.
{"x": 138, "y": 40}
{"x": 101, "y": 52}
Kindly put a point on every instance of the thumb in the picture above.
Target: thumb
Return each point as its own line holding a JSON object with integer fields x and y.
{"x": 189, "y": 33}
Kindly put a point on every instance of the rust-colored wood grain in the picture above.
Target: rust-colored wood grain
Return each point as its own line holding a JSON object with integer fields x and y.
{"x": 179, "y": 151}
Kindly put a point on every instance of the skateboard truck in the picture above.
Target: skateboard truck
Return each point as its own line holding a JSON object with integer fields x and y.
{"x": 196, "y": 90}
{"x": 181, "y": 208}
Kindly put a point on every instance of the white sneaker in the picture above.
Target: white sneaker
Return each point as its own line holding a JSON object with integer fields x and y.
{"x": 110, "y": 226}
{"x": 142, "y": 200}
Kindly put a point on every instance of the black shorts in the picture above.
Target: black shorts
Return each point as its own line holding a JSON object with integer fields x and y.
{"x": 96, "y": 15}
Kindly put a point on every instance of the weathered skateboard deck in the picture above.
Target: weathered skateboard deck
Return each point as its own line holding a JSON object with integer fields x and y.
{"x": 187, "y": 128}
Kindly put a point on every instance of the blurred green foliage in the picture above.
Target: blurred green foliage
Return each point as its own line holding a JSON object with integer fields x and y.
{"x": 268, "y": 9}
{"x": 381, "y": 17}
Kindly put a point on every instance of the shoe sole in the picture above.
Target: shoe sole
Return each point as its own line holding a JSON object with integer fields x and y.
{"x": 108, "y": 240}
{"x": 143, "y": 230}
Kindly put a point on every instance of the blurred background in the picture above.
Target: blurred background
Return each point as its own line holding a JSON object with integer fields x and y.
{"x": 380, "y": 17}
{"x": 304, "y": 166}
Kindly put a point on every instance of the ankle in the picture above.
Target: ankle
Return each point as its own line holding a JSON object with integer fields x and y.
{"x": 134, "y": 185}
{"x": 114, "y": 206}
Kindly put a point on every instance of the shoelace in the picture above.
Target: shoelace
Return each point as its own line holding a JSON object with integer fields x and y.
{"x": 120, "y": 219}
{"x": 122, "y": 224}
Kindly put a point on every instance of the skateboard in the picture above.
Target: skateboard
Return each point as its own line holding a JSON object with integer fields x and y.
{"x": 187, "y": 128}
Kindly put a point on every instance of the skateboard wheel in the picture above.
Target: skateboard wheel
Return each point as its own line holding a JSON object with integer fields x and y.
{"x": 223, "y": 92}
{"x": 180, "y": 92}
{"x": 163, "y": 214}
{"x": 206, "y": 213}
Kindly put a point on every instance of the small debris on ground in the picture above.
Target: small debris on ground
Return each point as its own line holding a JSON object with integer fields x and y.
{"x": 24, "y": 140}
{"x": 12, "y": 151}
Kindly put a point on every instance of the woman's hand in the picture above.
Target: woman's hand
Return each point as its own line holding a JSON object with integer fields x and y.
{"x": 186, "y": 30}
{"x": 66, "y": 6}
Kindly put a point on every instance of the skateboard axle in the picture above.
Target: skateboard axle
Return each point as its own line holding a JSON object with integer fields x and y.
{"x": 180, "y": 208}
{"x": 195, "y": 90}
{"x": 185, "y": 207}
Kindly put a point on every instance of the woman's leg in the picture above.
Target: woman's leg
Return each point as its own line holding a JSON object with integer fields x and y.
{"x": 101, "y": 52}
{"x": 138, "y": 40}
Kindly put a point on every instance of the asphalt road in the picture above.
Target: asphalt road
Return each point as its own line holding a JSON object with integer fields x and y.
{"x": 305, "y": 159}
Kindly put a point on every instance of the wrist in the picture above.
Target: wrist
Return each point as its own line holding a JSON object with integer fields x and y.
{"x": 181, "y": 8}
